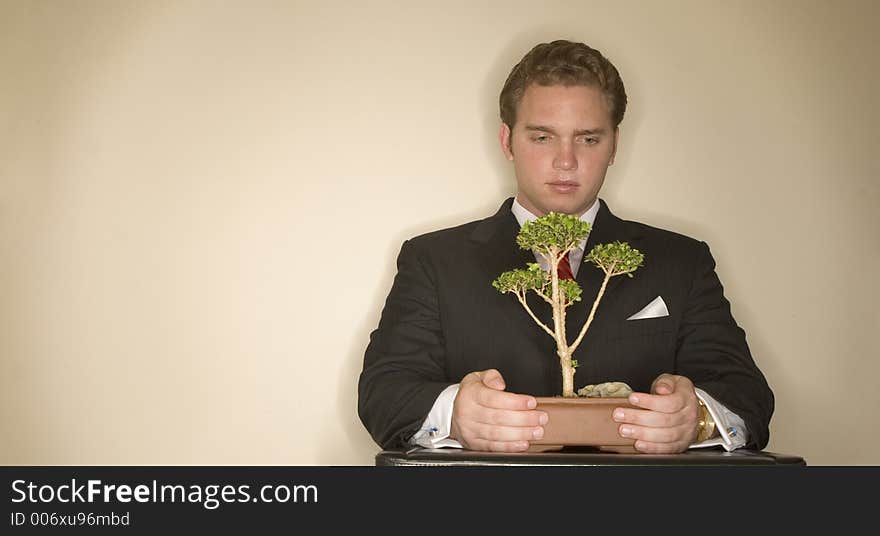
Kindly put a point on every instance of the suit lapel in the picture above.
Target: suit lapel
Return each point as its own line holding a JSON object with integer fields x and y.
{"x": 498, "y": 252}
{"x": 606, "y": 228}
{"x": 496, "y": 240}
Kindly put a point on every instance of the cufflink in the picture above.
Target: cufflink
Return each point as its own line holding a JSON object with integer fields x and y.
{"x": 432, "y": 431}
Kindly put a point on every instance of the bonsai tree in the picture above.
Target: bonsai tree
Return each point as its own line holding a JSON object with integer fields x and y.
{"x": 553, "y": 236}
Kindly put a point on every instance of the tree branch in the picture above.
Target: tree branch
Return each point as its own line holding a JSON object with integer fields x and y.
{"x": 589, "y": 321}
{"x": 541, "y": 294}
{"x": 522, "y": 300}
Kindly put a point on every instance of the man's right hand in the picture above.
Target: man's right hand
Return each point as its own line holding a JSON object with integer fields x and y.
{"x": 484, "y": 417}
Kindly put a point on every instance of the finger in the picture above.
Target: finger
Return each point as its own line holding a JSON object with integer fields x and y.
{"x": 664, "y": 384}
{"x": 648, "y": 447}
{"x": 673, "y": 434}
{"x": 506, "y": 417}
{"x": 492, "y": 378}
{"x": 655, "y": 419}
{"x": 506, "y": 433}
{"x": 503, "y": 400}
{"x": 498, "y": 446}
{"x": 670, "y": 403}
{"x": 506, "y": 438}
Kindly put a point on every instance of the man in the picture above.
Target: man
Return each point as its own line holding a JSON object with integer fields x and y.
{"x": 455, "y": 363}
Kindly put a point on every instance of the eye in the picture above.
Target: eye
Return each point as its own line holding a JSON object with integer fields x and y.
{"x": 588, "y": 140}
{"x": 540, "y": 138}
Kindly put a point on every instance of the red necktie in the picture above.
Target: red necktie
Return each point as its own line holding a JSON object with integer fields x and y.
{"x": 565, "y": 268}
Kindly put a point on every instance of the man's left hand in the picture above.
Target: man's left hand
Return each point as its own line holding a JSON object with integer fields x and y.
{"x": 666, "y": 422}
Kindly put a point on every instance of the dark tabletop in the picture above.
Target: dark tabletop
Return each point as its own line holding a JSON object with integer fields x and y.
{"x": 581, "y": 456}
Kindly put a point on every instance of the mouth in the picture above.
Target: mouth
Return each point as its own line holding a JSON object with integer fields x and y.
{"x": 563, "y": 186}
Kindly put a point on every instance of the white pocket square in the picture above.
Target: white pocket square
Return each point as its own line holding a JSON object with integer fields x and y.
{"x": 655, "y": 309}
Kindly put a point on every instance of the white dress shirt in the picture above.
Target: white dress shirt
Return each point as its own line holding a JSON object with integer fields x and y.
{"x": 435, "y": 430}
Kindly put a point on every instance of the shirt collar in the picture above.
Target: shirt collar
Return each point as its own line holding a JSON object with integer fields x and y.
{"x": 523, "y": 215}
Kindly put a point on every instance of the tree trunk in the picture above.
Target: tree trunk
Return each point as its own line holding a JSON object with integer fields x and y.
{"x": 567, "y": 375}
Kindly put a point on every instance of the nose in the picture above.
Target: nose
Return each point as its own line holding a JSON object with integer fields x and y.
{"x": 565, "y": 159}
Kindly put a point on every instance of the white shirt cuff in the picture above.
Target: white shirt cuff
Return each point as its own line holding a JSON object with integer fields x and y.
{"x": 731, "y": 428}
{"x": 434, "y": 432}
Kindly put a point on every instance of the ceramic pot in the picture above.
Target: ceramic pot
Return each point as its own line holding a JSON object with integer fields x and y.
{"x": 581, "y": 422}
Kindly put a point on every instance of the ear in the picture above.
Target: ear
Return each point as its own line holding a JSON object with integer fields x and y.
{"x": 614, "y": 146}
{"x": 504, "y": 139}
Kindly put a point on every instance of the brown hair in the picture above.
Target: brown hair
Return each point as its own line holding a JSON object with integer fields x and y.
{"x": 563, "y": 63}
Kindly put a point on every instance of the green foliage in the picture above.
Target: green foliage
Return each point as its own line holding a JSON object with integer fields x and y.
{"x": 617, "y": 258}
{"x": 560, "y": 230}
{"x": 551, "y": 235}
{"x": 570, "y": 289}
{"x": 520, "y": 280}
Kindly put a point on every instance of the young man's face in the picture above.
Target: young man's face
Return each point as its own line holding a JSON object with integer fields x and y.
{"x": 561, "y": 147}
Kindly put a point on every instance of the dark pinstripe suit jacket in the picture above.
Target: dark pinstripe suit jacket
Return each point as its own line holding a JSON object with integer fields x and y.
{"x": 443, "y": 319}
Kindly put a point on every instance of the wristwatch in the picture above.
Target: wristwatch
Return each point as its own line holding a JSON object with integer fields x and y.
{"x": 705, "y": 423}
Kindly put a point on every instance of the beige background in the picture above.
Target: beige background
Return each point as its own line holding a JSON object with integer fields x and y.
{"x": 201, "y": 204}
